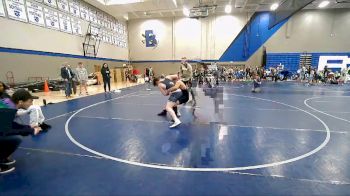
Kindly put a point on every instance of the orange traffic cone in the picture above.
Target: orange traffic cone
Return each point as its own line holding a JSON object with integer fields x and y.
{"x": 46, "y": 87}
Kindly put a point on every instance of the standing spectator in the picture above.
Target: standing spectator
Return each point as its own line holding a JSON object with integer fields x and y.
{"x": 151, "y": 73}
{"x": 82, "y": 76}
{"x": 186, "y": 77}
{"x": 106, "y": 75}
{"x": 74, "y": 80}
{"x": 247, "y": 73}
{"x": 67, "y": 75}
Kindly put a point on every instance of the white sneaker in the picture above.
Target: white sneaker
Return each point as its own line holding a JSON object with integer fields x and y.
{"x": 176, "y": 123}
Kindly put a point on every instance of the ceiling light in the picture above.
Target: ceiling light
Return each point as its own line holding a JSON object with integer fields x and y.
{"x": 102, "y": 2}
{"x": 186, "y": 11}
{"x": 323, "y": 4}
{"x": 175, "y": 3}
{"x": 120, "y": 2}
{"x": 126, "y": 17}
{"x": 228, "y": 9}
{"x": 274, "y": 6}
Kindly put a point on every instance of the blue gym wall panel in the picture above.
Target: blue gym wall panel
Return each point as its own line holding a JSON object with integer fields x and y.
{"x": 254, "y": 34}
{"x": 291, "y": 60}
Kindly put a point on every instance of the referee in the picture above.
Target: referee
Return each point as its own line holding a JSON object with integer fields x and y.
{"x": 187, "y": 76}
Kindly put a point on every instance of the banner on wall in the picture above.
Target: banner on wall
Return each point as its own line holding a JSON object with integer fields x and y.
{"x": 84, "y": 13}
{"x": 333, "y": 62}
{"x": 100, "y": 18}
{"x": 103, "y": 35}
{"x": 65, "y": 24}
{"x": 76, "y": 27}
{"x": 111, "y": 24}
{"x": 16, "y": 10}
{"x": 114, "y": 26}
{"x": 2, "y": 10}
{"x": 106, "y": 22}
{"x": 35, "y": 13}
{"x": 112, "y": 38}
{"x": 95, "y": 30}
{"x": 63, "y": 5}
{"x": 92, "y": 16}
{"x": 110, "y": 35}
{"x": 51, "y": 19}
{"x": 51, "y": 3}
{"x": 74, "y": 8}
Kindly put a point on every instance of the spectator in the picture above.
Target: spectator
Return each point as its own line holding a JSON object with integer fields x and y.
{"x": 36, "y": 117}
{"x": 106, "y": 75}
{"x": 67, "y": 75}
{"x": 82, "y": 76}
{"x": 10, "y": 135}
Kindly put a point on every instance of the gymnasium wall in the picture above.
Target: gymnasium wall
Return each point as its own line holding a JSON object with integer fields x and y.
{"x": 28, "y": 37}
{"x": 205, "y": 38}
{"x": 319, "y": 32}
{"x": 44, "y": 65}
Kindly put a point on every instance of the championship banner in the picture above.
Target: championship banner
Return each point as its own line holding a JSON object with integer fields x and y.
{"x": 76, "y": 27}
{"x": 110, "y": 35}
{"x": 116, "y": 39}
{"x": 63, "y": 5}
{"x": 100, "y": 18}
{"x": 35, "y": 13}
{"x": 103, "y": 35}
{"x": 16, "y": 10}
{"x": 92, "y": 15}
{"x": 2, "y": 10}
{"x": 51, "y": 3}
{"x": 74, "y": 8}
{"x": 65, "y": 24}
{"x": 51, "y": 19}
{"x": 84, "y": 13}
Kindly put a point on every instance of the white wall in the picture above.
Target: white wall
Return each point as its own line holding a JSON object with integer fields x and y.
{"x": 19, "y": 35}
{"x": 313, "y": 31}
{"x": 205, "y": 38}
{"x": 26, "y": 65}
{"x": 310, "y": 31}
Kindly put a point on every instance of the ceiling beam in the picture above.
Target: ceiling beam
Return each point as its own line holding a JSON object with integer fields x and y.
{"x": 135, "y": 14}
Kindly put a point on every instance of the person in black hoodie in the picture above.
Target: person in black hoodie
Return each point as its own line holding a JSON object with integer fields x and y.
{"x": 106, "y": 75}
{"x": 67, "y": 74}
{"x": 10, "y": 131}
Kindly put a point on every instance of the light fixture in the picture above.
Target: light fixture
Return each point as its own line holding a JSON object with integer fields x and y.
{"x": 323, "y": 4}
{"x": 102, "y": 2}
{"x": 175, "y": 3}
{"x": 228, "y": 9}
{"x": 126, "y": 17}
{"x": 186, "y": 11}
{"x": 274, "y": 6}
{"x": 121, "y": 2}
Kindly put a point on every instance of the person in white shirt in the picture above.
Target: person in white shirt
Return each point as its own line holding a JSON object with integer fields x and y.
{"x": 187, "y": 77}
{"x": 82, "y": 76}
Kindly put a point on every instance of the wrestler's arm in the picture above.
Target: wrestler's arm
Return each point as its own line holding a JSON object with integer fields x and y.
{"x": 163, "y": 91}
